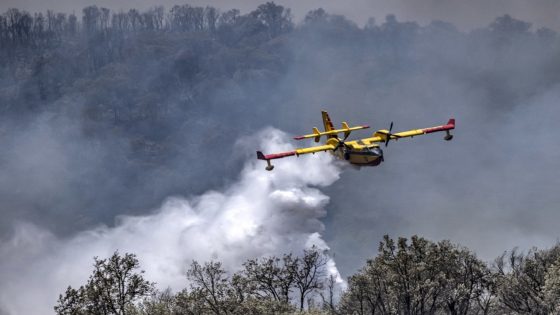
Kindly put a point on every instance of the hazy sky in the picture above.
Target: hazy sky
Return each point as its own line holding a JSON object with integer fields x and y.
{"x": 464, "y": 14}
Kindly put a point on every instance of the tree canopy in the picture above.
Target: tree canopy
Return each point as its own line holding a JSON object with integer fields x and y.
{"x": 415, "y": 276}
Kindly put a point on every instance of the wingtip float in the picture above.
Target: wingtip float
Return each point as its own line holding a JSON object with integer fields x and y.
{"x": 361, "y": 152}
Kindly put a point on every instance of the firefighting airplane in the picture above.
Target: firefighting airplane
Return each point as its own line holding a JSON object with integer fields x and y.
{"x": 362, "y": 152}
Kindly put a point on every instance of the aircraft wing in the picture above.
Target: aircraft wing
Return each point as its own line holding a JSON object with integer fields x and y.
{"x": 297, "y": 152}
{"x": 381, "y": 135}
{"x": 321, "y": 148}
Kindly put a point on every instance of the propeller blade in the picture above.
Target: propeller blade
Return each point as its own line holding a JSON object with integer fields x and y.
{"x": 338, "y": 145}
{"x": 341, "y": 142}
{"x": 389, "y": 134}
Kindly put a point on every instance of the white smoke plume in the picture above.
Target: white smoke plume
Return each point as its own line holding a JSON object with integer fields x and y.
{"x": 261, "y": 214}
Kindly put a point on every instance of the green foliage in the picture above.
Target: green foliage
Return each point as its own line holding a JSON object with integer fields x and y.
{"x": 309, "y": 273}
{"x": 213, "y": 292}
{"x": 413, "y": 276}
{"x": 271, "y": 277}
{"x": 529, "y": 284}
{"x": 420, "y": 277}
{"x": 113, "y": 288}
{"x": 159, "y": 303}
{"x": 264, "y": 286}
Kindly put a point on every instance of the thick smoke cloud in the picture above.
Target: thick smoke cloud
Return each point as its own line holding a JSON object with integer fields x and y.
{"x": 258, "y": 215}
{"x": 46, "y": 163}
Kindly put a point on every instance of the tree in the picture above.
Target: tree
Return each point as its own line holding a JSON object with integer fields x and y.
{"x": 210, "y": 288}
{"x": 19, "y": 25}
{"x": 507, "y": 25}
{"x": 113, "y": 288}
{"x": 420, "y": 277}
{"x": 309, "y": 273}
{"x": 135, "y": 19}
{"x": 90, "y": 19}
{"x": 528, "y": 284}
{"x": 551, "y": 288}
{"x": 187, "y": 18}
{"x": 271, "y": 277}
{"x": 275, "y": 17}
{"x": 466, "y": 278}
{"x": 368, "y": 292}
{"x": 315, "y": 16}
{"x": 228, "y": 17}
{"x": 264, "y": 286}
{"x": 211, "y": 16}
{"x": 160, "y": 303}
{"x": 71, "y": 28}
{"x": 329, "y": 304}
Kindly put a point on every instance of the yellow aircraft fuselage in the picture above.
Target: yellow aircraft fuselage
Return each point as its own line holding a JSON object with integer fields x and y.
{"x": 360, "y": 156}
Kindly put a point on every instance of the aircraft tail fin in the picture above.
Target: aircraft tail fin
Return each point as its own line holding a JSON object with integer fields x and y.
{"x": 327, "y": 123}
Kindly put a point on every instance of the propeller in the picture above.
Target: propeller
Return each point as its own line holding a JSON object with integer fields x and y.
{"x": 341, "y": 143}
{"x": 389, "y": 134}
